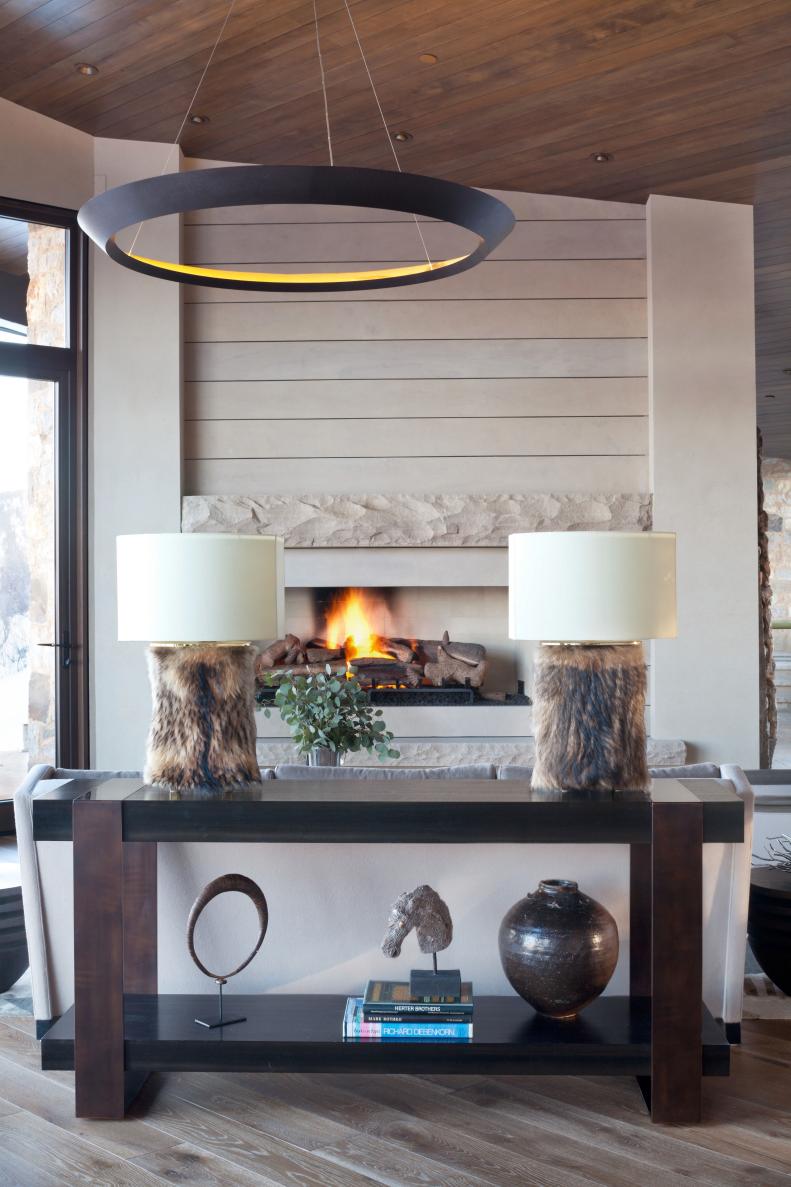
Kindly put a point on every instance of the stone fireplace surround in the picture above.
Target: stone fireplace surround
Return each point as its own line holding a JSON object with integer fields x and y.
{"x": 448, "y": 551}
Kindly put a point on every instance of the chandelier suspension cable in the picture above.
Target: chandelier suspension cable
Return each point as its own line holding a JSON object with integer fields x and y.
{"x": 190, "y": 106}
{"x": 323, "y": 80}
{"x": 382, "y": 115}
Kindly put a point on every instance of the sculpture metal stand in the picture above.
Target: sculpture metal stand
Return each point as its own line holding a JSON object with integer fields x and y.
{"x": 222, "y": 885}
{"x": 423, "y": 910}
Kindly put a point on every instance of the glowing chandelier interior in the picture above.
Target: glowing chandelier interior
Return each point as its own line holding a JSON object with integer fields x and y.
{"x": 106, "y": 215}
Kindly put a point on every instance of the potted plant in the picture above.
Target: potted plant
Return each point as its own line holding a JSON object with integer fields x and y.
{"x": 769, "y": 920}
{"x": 329, "y": 715}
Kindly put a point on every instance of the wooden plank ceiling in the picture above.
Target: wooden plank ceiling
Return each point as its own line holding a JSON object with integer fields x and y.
{"x": 691, "y": 97}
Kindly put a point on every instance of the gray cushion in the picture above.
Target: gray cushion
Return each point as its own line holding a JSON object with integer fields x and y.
{"x": 64, "y": 773}
{"x": 695, "y": 770}
{"x": 286, "y": 770}
{"x": 700, "y": 770}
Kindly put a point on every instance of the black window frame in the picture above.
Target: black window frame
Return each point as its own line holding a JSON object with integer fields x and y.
{"x": 66, "y": 367}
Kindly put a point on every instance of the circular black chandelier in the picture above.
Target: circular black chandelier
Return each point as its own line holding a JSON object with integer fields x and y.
{"x": 246, "y": 185}
{"x": 103, "y": 217}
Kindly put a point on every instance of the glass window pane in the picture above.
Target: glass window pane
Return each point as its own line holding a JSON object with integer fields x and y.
{"x": 33, "y": 283}
{"x": 27, "y": 576}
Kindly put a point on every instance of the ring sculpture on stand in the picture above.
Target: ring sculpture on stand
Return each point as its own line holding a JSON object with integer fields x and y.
{"x": 222, "y": 885}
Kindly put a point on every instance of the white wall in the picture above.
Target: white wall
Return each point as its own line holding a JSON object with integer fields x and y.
{"x": 42, "y": 160}
{"x": 703, "y": 472}
{"x": 135, "y": 383}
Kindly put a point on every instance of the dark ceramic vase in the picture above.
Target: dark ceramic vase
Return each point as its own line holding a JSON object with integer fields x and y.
{"x": 558, "y": 948}
{"x": 769, "y": 923}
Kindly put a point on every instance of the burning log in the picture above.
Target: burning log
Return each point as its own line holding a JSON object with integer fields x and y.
{"x": 376, "y": 672}
{"x": 394, "y": 662}
{"x": 399, "y": 649}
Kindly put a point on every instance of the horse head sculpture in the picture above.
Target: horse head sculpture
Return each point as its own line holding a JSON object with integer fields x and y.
{"x": 423, "y": 910}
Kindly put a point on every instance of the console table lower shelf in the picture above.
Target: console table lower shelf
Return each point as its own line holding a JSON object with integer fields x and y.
{"x": 302, "y": 1033}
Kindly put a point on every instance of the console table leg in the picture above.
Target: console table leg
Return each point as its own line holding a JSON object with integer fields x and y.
{"x": 114, "y": 950}
{"x": 640, "y": 920}
{"x": 676, "y": 957}
{"x": 640, "y": 935}
{"x": 140, "y": 917}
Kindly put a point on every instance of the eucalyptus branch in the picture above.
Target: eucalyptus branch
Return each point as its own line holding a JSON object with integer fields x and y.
{"x": 331, "y": 711}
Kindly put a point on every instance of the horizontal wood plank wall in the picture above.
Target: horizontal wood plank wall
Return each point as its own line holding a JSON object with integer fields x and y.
{"x": 526, "y": 373}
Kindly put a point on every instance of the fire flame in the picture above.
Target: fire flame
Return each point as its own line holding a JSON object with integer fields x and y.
{"x": 350, "y": 622}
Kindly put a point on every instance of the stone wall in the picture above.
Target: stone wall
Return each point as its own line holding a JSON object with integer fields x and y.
{"x": 46, "y": 312}
{"x": 777, "y": 500}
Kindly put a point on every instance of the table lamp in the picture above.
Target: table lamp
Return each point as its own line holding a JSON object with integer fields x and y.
{"x": 199, "y": 601}
{"x": 590, "y": 598}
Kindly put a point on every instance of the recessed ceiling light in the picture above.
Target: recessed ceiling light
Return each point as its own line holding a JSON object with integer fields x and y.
{"x": 429, "y": 59}
{"x": 402, "y": 137}
{"x": 199, "y": 119}
{"x": 602, "y": 157}
{"x": 86, "y": 68}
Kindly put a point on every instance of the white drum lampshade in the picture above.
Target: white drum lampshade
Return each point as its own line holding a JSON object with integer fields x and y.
{"x": 592, "y": 587}
{"x": 191, "y": 588}
{"x": 589, "y": 599}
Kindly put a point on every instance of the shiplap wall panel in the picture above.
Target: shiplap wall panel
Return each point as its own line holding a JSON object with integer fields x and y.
{"x": 483, "y": 436}
{"x": 308, "y": 399}
{"x": 481, "y": 358}
{"x": 526, "y": 373}
{"x": 417, "y": 319}
{"x": 491, "y": 280}
{"x": 569, "y": 239}
{"x": 229, "y": 476}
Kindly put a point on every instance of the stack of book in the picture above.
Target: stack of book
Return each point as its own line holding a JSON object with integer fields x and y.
{"x": 388, "y": 1013}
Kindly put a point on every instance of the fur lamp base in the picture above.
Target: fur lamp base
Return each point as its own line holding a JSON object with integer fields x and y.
{"x": 589, "y": 718}
{"x": 203, "y": 726}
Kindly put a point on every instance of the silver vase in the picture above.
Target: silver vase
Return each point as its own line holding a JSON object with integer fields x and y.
{"x": 322, "y": 756}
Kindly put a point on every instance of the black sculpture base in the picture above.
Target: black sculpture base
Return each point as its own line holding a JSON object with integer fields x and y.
{"x": 434, "y": 983}
{"x": 220, "y": 1020}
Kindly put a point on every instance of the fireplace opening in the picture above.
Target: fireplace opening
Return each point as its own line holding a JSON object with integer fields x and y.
{"x": 359, "y": 631}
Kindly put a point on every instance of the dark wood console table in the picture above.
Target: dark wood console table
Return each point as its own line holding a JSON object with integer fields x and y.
{"x": 120, "y": 1028}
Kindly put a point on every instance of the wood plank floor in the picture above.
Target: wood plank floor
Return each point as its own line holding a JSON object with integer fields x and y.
{"x": 404, "y": 1131}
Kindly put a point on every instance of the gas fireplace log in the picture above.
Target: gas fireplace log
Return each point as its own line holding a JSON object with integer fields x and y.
{"x": 295, "y": 655}
{"x": 305, "y": 670}
{"x": 376, "y": 672}
{"x": 399, "y": 648}
{"x": 447, "y": 670}
{"x": 274, "y": 653}
{"x": 468, "y": 653}
{"x": 318, "y": 655}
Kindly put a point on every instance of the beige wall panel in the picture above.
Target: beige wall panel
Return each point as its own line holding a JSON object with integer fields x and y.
{"x": 439, "y": 475}
{"x": 416, "y": 319}
{"x": 440, "y": 437}
{"x": 305, "y": 399}
{"x": 370, "y": 360}
{"x": 703, "y": 463}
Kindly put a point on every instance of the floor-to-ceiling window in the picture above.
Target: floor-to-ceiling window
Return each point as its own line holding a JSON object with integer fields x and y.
{"x": 43, "y": 613}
